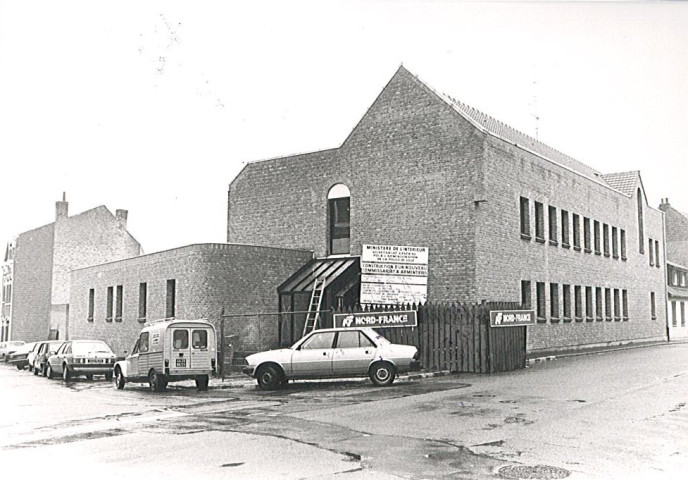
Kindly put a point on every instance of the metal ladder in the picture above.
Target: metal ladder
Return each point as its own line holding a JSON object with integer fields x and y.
{"x": 313, "y": 315}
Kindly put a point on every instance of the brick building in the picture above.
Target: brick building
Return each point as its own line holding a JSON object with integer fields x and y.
{"x": 677, "y": 269}
{"x": 504, "y": 216}
{"x": 37, "y": 266}
{"x": 111, "y": 302}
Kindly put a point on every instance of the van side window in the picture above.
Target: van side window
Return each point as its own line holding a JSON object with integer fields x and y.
{"x": 143, "y": 342}
{"x": 199, "y": 339}
{"x": 180, "y": 339}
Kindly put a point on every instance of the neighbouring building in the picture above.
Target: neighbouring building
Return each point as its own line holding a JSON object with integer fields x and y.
{"x": 501, "y": 216}
{"x": 203, "y": 281}
{"x": 37, "y": 266}
{"x": 677, "y": 269}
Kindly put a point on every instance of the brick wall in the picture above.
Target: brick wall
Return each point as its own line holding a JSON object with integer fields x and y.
{"x": 209, "y": 278}
{"x": 31, "y": 285}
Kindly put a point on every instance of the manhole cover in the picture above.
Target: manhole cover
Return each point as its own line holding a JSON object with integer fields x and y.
{"x": 533, "y": 472}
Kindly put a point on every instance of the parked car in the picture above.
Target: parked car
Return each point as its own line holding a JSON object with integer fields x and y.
{"x": 169, "y": 351}
{"x": 8, "y": 347}
{"x": 334, "y": 352}
{"x": 45, "y": 349}
{"x": 81, "y": 357}
{"x": 20, "y": 357}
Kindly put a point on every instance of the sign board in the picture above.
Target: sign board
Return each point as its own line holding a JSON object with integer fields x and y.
{"x": 376, "y": 319}
{"x": 394, "y": 274}
{"x": 511, "y": 318}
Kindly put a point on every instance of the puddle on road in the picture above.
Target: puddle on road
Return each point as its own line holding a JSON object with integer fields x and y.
{"x": 67, "y": 439}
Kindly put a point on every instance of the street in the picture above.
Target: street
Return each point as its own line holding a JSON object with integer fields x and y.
{"x": 617, "y": 414}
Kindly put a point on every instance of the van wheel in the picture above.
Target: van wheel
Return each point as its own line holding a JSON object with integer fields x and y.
{"x": 119, "y": 379}
{"x": 66, "y": 375}
{"x": 269, "y": 378}
{"x": 156, "y": 382}
{"x": 108, "y": 376}
{"x": 382, "y": 374}
{"x": 202, "y": 383}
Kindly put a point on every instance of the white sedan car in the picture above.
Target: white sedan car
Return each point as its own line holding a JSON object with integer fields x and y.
{"x": 334, "y": 352}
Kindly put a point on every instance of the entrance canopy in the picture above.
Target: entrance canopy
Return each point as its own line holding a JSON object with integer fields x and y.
{"x": 328, "y": 269}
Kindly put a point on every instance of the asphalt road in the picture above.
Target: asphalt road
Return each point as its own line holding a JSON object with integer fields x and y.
{"x": 614, "y": 415}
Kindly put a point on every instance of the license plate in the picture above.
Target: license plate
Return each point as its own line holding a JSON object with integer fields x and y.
{"x": 180, "y": 362}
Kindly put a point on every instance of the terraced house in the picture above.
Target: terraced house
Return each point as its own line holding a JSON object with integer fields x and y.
{"x": 503, "y": 217}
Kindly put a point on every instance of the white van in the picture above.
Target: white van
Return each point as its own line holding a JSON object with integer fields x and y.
{"x": 169, "y": 351}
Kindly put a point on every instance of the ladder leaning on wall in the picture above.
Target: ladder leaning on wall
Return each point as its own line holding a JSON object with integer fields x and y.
{"x": 313, "y": 315}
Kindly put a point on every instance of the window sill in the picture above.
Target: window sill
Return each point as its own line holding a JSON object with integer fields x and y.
{"x": 541, "y": 320}
{"x": 599, "y": 319}
{"x": 624, "y": 258}
{"x": 565, "y": 245}
{"x": 608, "y": 319}
{"x": 526, "y": 237}
{"x": 90, "y": 320}
{"x": 579, "y": 319}
{"x": 625, "y": 319}
{"x": 617, "y": 319}
{"x": 554, "y": 320}
{"x": 554, "y": 243}
{"x": 109, "y": 319}
{"x": 568, "y": 319}
{"x": 589, "y": 319}
{"x": 654, "y": 318}
{"x": 141, "y": 320}
{"x": 607, "y": 255}
{"x": 597, "y": 252}
{"x": 615, "y": 257}
{"x": 539, "y": 239}
{"x": 118, "y": 319}
{"x": 576, "y": 248}
{"x": 587, "y": 250}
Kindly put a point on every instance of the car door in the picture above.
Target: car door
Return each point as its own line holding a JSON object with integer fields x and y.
{"x": 132, "y": 361}
{"x": 352, "y": 354}
{"x": 313, "y": 358}
{"x": 57, "y": 359}
{"x": 181, "y": 349}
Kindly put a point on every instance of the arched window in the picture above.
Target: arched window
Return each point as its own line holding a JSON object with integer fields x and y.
{"x": 641, "y": 229}
{"x": 338, "y": 212}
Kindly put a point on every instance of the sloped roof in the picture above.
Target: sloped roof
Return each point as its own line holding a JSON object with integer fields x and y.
{"x": 624, "y": 182}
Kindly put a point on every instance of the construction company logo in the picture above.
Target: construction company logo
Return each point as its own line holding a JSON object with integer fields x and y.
{"x": 376, "y": 319}
{"x": 511, "y": 318}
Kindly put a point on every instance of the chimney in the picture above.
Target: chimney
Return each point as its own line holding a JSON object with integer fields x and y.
{"x": 62, "y": 208}
{"x": 122, "y": 217}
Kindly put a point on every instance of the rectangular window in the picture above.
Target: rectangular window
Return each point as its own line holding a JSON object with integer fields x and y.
{"x": 657, "y": 253}
{"x": 566, "y": 292}
{"x": 615, "y": 242}
{"x": 565, "y": 228}
{"x": 553, "y": 225}
{"x": 525, "y": 218}
{"x": 540, "y": 297}
{"x": 91, "y": 303}
{"x": 683, "y": 314}
{"x": 143, "y": 300}
{"x": 588, "y": 303}
{"x": 525, "y": 294}
{"x": 539, "y": 222}
{"x": 617, "y": 305}
{"x": 652, "y": 252}
{"x": 605, "y": 239}
{"x": 578, "y": 302}
{"x": 623, "y": 244}
{"x": 598, "y": 245}
{"x": 598, "y": 304}
{"x": 683, "y": 279}
{"x": 576, "y": 232}
{"x": 118, "y": 303}
{"x": 109, "y": 305}
{"x": 170, "y": 303}
{"x": 653, "y": 306}
{"x": 339, "y": 225}
{"x": 674, "y": 279}
{"x": 587, "y": 245}
{"x": 624, "y": 297}
{"x": 608, "y": 304}
{"x": 674, "y": 316}
{"x": 554, "y": 300}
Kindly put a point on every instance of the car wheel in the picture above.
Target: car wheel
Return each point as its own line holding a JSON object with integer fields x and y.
{"x": 19, "y": 367}
{"x": 48, "y": 371}
{"x": 119, "y": 379}
{"x": 202, "y": 382}
{"x": 35, "y": 370}
{"x": 269, "y": 378}
{"x": 66, "y": 374}
{"x": 382, "y": 374}
{"x": 156, "y": 382}
{"x": 108, "y": 376}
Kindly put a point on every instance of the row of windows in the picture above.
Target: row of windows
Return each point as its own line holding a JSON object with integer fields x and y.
{"x": 654, "y": 252}
{"x": 7, "y": 293}
{"x": 115, "y": 298}
{"x": 674, "y": 317}
{"x": 578, "y": 302}
{"x": 603, "y": 238}
{"x": 677, "y": 278}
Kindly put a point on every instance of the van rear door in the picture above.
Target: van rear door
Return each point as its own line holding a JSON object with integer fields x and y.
{"x": 201, "y": 354}
{"x": 181, "y": 349}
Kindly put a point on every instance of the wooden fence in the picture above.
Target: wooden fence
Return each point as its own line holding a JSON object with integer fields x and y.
{"x": 458, "y": 337}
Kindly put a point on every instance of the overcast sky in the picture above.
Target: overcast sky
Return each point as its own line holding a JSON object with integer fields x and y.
{"x": 155, "y": 106}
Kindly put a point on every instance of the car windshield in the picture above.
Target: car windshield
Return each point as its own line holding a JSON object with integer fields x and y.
{"x": 84, "y": 348}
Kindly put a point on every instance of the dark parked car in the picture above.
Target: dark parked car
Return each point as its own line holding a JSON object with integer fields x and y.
{"x": 45, "y": 349}
{"x": 81, "y": 357}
